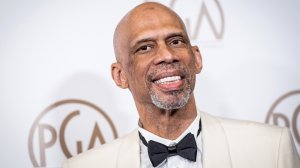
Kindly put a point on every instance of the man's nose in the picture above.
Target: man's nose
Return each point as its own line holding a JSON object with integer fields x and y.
{"x": 165, "y": 55}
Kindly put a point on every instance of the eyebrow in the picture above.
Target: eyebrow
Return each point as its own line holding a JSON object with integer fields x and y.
{"x": 181, "y": 34}
{"x": 153, "y": 39}
{"x": 143, "y": 40}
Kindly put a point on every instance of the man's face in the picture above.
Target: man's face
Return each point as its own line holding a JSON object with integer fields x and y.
{"x": 158, "y": 60}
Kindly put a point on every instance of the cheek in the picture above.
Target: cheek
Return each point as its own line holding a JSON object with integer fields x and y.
{"x": 193, "y": 64}
{"x": 141, "y": 66}
{"x": 138, "y": 75}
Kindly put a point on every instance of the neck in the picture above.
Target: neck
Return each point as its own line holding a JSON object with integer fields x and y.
{"x": 168, "y": 124}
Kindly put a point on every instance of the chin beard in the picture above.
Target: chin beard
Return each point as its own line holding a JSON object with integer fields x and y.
{"x": 174, "y": 99}
{"x": 176, "y": 102}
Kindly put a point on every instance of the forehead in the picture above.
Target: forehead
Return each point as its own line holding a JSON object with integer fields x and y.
{"x": 153, "y": 22}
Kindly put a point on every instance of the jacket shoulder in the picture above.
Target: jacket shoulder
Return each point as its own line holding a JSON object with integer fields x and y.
{"x": 104, "y": 156}
{"x": 244, "y": 125}
{"x": 251, "y": 132}
{"x": 258, "y": 143}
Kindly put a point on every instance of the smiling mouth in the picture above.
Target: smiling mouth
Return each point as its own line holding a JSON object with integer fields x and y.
{"x": 169, "y": 83}
{"x": 168, "y": 80}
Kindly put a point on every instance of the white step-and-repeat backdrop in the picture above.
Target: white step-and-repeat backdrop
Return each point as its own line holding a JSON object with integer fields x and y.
{"x": 57, "y": 97}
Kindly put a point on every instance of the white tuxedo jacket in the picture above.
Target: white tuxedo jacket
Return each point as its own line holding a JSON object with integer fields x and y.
{"x": 226, "y": 144}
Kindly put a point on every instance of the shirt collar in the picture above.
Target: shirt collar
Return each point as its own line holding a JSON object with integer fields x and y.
{"x": 193, "y": 128}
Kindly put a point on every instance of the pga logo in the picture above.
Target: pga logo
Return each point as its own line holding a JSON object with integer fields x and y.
{"x": 204, "y": 20}
{"x": 67, "y": 128}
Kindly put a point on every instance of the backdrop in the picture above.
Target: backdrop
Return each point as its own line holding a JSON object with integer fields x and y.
{"x": 57, "y": 97}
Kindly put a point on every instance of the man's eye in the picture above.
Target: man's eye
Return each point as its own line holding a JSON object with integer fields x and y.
{"x": 144, "y": 49}
{"x": 177, "y": 42}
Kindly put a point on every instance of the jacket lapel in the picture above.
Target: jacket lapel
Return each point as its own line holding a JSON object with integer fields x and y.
{"x": 215, "y": 146}
{"x": 129, "y": 152}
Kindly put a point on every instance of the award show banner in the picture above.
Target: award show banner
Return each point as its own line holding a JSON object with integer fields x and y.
{"x": 57, "y": 98}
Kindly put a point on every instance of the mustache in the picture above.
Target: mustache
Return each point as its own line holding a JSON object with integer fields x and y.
{"x": 165, "y": 67}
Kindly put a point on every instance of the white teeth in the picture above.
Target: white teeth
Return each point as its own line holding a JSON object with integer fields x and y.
{"x": 168, "y": 79}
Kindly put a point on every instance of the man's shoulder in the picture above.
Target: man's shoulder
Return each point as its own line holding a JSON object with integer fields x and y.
{"x": 249, "y": 140}
{"x": 100, "y": 155}
{"x": 237, "y": 124}
{"x": 243, "y": 132}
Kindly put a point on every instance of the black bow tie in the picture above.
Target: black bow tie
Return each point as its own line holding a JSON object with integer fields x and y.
{"x": 186, "y": 148}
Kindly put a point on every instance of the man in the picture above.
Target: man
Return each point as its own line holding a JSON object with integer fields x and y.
{"x": 157, "y": 63}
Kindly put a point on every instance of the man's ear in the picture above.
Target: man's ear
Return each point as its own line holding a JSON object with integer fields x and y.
{"x": 119, "y": 75}
{"x": 198, "y": 59}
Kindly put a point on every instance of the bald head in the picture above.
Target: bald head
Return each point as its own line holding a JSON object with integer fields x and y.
{"x": 142, "y": 15}
{"x": 151, "y": 47}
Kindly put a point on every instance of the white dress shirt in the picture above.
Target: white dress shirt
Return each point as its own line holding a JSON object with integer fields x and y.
{"x": 173, "y": 161}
